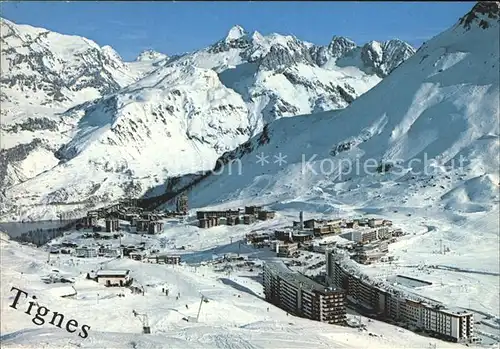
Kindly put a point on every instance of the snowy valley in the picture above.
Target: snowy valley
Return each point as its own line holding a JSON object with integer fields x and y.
{"x": 339, "y": 133}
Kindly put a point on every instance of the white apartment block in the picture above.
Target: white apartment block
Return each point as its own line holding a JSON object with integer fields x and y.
{"x": 453, "y": 325}
{"x": 456, "y": 324}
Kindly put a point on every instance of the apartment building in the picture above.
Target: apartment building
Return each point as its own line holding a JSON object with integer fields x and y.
{"x": 301, "y": 296}
{"x": 155, "y": 227}
{"x": 286, "y": 250}
{"x": 114, "y": 277}
{"x": 112, "y": 225}
{"x": 90, "y": 220}
{"x": 226, "y": 213}
{"x": 452, "y": 325}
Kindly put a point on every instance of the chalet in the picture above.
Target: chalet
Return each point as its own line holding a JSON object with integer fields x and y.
{"x": 114, "y": 277}
{"x": 265, "y": 215}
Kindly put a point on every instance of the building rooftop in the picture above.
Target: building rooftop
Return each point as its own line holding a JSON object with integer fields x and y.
{"x": 296, "y": 278}
{"x": 301, "y": 234}
{"x": 455, "y": 311}
{"x": 163, "y": 255}
{"x": 113, "y": 272}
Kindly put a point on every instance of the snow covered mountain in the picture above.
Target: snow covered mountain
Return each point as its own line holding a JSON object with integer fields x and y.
{"x": 426, "y": 137}
{"x": 283, "y": 76}
{"x": 194, "y": 107}
{"x": 41, "y": 67}
{"x": 42, "y": 74}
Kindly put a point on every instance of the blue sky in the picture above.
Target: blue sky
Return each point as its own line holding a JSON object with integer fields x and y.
{"x": 176, "y": 27}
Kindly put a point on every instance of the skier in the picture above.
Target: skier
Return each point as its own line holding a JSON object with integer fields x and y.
{"x": 268, "y": 309}
{"x": 166, "y": 292}
{"x": 187, "y": 306}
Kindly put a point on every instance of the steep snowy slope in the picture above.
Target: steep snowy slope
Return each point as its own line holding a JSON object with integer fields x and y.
{"x": 195, "y": 106}
{"x": 43, "y": 73}
{"x": 435, "y": 120}
{"x": 174, "y": 122}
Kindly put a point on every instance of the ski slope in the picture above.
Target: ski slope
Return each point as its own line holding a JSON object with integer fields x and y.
{"x": 235, "y": 316}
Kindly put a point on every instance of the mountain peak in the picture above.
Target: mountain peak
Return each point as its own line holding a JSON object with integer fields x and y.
{"x": 150, "y": 55}
{"x": 235, "y": 33}
{"x": 340, "y": 45}
{"x": 482, "y": 13}
{"x": 111, "y": 52}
